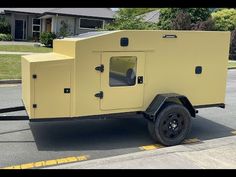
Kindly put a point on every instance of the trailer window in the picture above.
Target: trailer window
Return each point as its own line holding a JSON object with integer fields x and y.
{"x": 122, "y": 71}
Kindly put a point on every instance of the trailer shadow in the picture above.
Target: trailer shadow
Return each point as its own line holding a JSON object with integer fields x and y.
{"x": 110, "y": 134}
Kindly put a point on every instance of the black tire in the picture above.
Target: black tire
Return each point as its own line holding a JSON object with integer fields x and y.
{"x": 172, "y": 125}
{"x": 151, "y": 129}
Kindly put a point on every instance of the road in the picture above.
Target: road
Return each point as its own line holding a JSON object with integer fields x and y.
{"x": 22, "y": 142}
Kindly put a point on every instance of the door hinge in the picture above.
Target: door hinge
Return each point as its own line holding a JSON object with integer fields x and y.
{"x": 34, "y": 76}
{"x": 100, "y": 68}
{"x": 99, "y": 94}
{"x": 34, "y": 105}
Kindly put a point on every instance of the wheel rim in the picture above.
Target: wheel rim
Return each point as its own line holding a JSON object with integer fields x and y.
{"x": 173, "y": 126}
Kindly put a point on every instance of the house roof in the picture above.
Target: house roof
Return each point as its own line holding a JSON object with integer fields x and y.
{"x": 90, "y": 12}
{"x": 152, "y": 16}
{"x": 25, "y": 10}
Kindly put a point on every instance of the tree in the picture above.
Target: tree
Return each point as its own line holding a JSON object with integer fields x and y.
{"x": 182, "y": 21}
{"x": 64, "y": 29}
{"x": 232, "y": 52}
{"x": 167, "y": 15}
{"x": 208, "y": 25}
{"x": 130, "y": 18}
{"x": 225, "y": 19}
{"x": 199, "y": 14}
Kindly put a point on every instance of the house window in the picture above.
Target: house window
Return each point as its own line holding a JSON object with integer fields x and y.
{"x": 36, "y": 28}
{"x": 122, "y": 71}
{"x": 91, "y": 23}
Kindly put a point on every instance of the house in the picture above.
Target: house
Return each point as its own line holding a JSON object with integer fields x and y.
{"x": 28, "y": 23}
{"x": 152, "y": 17}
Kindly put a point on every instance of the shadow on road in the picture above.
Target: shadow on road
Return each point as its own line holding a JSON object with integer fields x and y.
{"x": 110, "y": 133}
{"x": 205, "y": 129}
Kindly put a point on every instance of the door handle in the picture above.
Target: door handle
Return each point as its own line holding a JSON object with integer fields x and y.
{"x": 169, "y": 36}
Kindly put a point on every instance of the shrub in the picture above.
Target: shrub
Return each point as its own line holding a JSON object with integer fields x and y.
{"x": 6, "y": 37}
{"x": 225, "y": 19}
{"x": 47, "y": 38}
{"x": 5, "y": 27}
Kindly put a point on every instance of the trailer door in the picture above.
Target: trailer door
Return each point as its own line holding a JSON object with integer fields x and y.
{"x": 122, "y": 80}
{"x": 52, "y": 90}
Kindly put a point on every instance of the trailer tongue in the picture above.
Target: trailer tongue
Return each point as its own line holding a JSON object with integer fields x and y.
{"x": 12, "y": 109}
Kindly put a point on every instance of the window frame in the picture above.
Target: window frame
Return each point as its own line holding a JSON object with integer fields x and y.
{"x": 126, "y": 84}
{"x": 39, "y": 25}
{"x": 103, "y": 23}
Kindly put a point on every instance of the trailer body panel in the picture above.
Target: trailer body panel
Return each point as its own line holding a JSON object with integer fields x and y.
{"x": 193, "y": 64}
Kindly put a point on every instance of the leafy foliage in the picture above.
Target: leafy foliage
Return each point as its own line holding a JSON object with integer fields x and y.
{"x": 5, "y": 27}
{"x": 47, "y": 38}
{"x": 225, "y": 19}
{"x": 130, "y": 18}
{"x": 63, "y": 30}
{"x": 6, "y": 37}
{"x": 168, "y": 15}
{"x": 182, "y": 21}
{"x": 208, "y": 25}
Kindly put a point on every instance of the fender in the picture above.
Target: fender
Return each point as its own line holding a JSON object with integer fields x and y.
{"x": 159, "y": 101}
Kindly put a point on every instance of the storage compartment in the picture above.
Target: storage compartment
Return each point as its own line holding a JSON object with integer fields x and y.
{"x": 46, "y": 85}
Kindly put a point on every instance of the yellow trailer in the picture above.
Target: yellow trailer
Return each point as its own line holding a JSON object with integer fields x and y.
{"x": 165, "y": 75}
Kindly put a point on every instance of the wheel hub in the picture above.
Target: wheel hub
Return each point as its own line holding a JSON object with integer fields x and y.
{"x": 173, "y": 125}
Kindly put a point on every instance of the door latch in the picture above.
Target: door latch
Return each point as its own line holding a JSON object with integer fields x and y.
{"x": 100, "y": 68}
{"x": 34, "y": 76}
{"x": 99, "y": 94}
{"x": 66, "y": 90}
{"x": 140, "y": 79}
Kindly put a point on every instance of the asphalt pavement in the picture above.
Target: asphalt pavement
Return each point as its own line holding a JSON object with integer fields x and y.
{"x": 22, "y": 142}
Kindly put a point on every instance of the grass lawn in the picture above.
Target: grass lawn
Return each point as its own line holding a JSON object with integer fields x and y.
{"x": 232, "y": 64}
{"x": 10, "y": 67}
{"x": 24, "y": 48}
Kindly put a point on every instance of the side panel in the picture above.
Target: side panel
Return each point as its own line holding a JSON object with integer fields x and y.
{"x": 169, "y": 66}
{"x": 27, "y": 86}
{"x": 49, "y": 95}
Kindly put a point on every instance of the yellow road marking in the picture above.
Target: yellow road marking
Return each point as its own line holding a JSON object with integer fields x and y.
{"x": 234, "y": 132}
{"x": 151, "y": 147}
{"x": 48, "y": 163}
{"x": 157, "y": 146}
{"x": 190, "y": 141}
